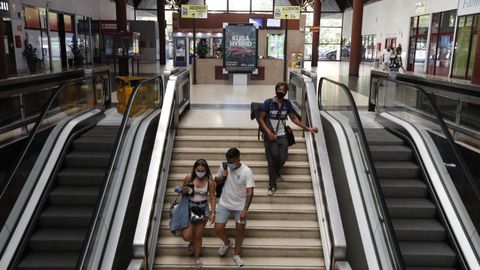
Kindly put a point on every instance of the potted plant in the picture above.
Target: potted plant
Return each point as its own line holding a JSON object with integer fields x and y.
{"x": 202, "y": 49}
{"x": 30, "y": 55}
{"x": 77, "y": 51}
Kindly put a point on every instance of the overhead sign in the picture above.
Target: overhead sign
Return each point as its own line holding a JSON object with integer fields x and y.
{"x": 5, "y": 8}
{"x": 420, "y": 7}
{"x": 287, "y": 12}
{"x": 194, "y": 11}
{"x": 467, "y": 7}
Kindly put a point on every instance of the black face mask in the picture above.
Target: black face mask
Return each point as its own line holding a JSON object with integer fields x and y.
{"x": 280, "y": 95}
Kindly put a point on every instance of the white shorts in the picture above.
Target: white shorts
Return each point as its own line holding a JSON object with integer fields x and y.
{"x": 223, "y": 214}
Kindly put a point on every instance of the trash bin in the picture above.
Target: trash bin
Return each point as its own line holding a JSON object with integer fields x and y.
{"x": 145, "y": 98}
{"x": 376, "y": 63}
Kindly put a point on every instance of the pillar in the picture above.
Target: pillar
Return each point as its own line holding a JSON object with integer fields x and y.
{"x": 3, "y": 57}
{"x": 317, "y": 9}
{"x": 476, "y": 63}
{"x": 121, "y": 12}
{"x": 355, "y": 48}
{"x": 61, "y": 37}
{"x": 161, "y": 30}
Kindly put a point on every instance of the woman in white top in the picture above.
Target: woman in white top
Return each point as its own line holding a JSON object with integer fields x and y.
{"x": 201, "y": 189}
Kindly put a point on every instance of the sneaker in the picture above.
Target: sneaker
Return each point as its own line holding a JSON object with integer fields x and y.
{"x": 271, "y": 191}
{"x": 190, "y": 249}
{"x": 223, "y": 249}
{"x": 238, "y": 260}
{"x": 199, "y": 263}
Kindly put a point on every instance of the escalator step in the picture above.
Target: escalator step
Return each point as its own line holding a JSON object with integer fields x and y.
{"x": 428, "y": 254}
{"x": 426, "y": 230}
{"x": 74, "y": 196}
{"x": 80, "y": 177}
{"x": 66, "y": 216}
{"x": 94, "y": 143}
{"x": 410, "y": 208}
{"x": 378, "y": 136}
{"x": 49, "y": 260}
{"x": 102, "y": 131}
{"x": 391, "y": 152}
{"x": 406, "y": 188}
{"x": 58, "y": 239}
{"x": 81, "y": 159}
{"x": 397, "y": 169}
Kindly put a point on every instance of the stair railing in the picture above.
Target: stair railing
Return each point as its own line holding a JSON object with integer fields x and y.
{"x": 128, "y": 113}
{"x": 402, "y": 96}
{"x": 349, "y": 104}
{"x": 303, "y": 95}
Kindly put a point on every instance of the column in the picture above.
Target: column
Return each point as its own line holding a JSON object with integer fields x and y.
{"x": 476, "y": 63}
{"x": 121, "y": 12}
{"x": 355, "y": 48}
{"x": 161, "y": 30}
{"x": 317, "y": 9}
{"x": 3, "y": 57}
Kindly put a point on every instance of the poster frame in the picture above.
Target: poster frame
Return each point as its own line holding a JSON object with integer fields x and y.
{"x": 254, "y": 69}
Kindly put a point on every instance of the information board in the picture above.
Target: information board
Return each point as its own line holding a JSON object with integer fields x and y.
{"x": 286, "y": 12}
{"x": 241, "y": 48}
{"x": 194, "y": 11}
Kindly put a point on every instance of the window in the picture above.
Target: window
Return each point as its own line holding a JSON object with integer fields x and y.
{"x": 217, "y": 5}
{"x": 236, "y": 5}
{"x": 466, "y": 44}
{"x": 262, "y": 5}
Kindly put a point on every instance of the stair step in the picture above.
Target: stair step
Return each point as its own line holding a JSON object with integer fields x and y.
{"x": 289, "y": 247}
{"x": 431, "y": 254}
{"x": 265, "y": 262}
{"x": 87, "y": 159}
{"x": 258, "y": 167}
{"x": 228, "y": 132}
{"x": 49, "y": 260}
{"x": 226, "y": 142}
{"x": 81, "y": 177}
{"x": 74, "y": 196}
{"x": 407, "y": 188}
{"x": 265, "y": 211}
{"x": 58, "y": 239}
{"x": 391, "y": 152}
{"x": 420, "y": 230}
{"x": 410, "y": 208}
{"x": 94, "y": 143}
{"x": 380, "y": 136}
{"x": 262, "y": 228}
{"x": 66, "y": 216}
{"x": 182, "y": 153}
{"x": 397, "y": 169}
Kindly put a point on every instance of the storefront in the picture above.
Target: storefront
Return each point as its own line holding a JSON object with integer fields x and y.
{"x": 465, "y": 46}
{"x": 417, "y": 48}
{"x": 441, "y": 43}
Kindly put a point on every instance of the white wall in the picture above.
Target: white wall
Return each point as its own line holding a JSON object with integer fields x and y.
{"x": 391, "y": 18}
{"x": 97, "y": 9}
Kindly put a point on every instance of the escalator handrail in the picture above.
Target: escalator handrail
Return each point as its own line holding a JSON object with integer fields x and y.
{"x": 111, "y": 164}
{"x": 36, "y": 128}
{"x": 437, "y": 116}
{"x": 397, "y": 257}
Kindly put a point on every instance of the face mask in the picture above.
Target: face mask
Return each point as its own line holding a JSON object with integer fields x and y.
{"x": 200, "y": 174}
{"x": 232, "y": 166}
{"x": 280, "y": 95}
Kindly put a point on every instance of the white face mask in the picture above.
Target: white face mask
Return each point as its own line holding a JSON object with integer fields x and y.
{"x": 232, "y": 166}
{"x": 200, "y": 174}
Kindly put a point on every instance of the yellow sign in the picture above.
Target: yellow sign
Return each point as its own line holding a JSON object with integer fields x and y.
{"x": 287, "y": 12}
{"x": 194, "y": 11}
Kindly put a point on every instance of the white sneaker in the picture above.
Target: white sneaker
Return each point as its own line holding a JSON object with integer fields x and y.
{"x": 271, "y": 191}
{"x": 223, "y": 249}
{"x": 238, "y": 260}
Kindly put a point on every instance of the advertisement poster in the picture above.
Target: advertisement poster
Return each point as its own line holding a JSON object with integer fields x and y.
{"x": 241, "y": 52}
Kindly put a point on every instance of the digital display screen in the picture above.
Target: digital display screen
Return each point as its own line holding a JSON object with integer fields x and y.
{"x": 274, "y": 23}
{"x": 256, "y": 21}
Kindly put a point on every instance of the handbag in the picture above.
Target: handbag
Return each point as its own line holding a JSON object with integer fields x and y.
{"x": 289, "y": 135}
{"x": 219, "y": 186}
{"x": 197, "y": 214}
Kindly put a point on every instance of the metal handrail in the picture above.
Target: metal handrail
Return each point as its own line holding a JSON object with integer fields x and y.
{"x": 338, "y": 249}
{"x": 394, "y": 247}
{"x": 437, "y": 116}
{"x": 35, "y": 129}
{"x": 110, "y": 167}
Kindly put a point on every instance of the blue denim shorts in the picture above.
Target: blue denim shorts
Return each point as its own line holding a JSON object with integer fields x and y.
{"x": 224, "y": 213}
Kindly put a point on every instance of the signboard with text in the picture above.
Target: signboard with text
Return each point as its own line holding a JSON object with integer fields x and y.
{"x": 286, "y": 12}
{"x": 467, "y": 7}
{"x": 241, "y": 48}
{"x": 194, "y": 11}
{"x": 5, "y": 8}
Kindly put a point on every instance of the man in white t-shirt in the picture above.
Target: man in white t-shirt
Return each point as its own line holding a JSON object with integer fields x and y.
{"x": 235, "y": 200}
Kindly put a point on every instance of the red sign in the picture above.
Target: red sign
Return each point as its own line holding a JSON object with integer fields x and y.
{"x": 32, "y": 18}
{"x": 53, "y": 21}
{"x": 67, "y": 21}
{"x": 18, "y": 41}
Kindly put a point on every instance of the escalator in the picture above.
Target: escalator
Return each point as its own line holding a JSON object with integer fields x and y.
{"x": 59, "y": 233}
{"x": 422, "y": 237}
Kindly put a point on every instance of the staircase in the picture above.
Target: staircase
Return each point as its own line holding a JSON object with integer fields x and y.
{"x": 59, "y": 234}
{"x": 421, "y": 236}
{"x": 282, "y": 231}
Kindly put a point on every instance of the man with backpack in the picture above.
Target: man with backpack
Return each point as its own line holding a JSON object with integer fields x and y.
{"x": 272, "y": 120}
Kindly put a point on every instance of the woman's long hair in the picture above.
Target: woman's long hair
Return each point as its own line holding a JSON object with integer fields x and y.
{"x": 200, "y": 162}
